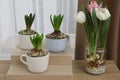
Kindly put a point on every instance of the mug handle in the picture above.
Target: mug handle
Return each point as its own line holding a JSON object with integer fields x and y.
{"x": 22, "y": 60}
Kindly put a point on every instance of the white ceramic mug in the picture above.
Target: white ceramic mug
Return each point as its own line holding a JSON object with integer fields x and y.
{"x": 35, "y": 64}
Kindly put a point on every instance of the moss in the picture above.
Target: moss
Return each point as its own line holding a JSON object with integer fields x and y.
{"x": 37, "y": 53}
{"x": 56, "y": 35}
{"x": 27, "y": 32}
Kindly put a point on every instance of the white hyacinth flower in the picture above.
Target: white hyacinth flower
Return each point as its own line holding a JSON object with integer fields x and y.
{"x": 102, "y": 13}
{"x": 80, "y": 17}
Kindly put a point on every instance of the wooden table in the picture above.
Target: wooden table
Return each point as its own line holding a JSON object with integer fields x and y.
{"x": 4, "y": 66}
{"x": 112, "y": 72}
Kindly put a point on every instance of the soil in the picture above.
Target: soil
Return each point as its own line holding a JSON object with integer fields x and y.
{"x": 26, "y": 32}
{"x": 56, "y": 35}
{"x": 37, "y": 53}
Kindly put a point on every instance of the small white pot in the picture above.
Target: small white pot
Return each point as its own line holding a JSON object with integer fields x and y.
{"x": 56, "y": 45}
{"x": 35, "y": 64}
{"x": 24, "y": 41}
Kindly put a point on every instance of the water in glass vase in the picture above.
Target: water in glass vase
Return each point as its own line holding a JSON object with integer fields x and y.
{"x": 95, "y": 61}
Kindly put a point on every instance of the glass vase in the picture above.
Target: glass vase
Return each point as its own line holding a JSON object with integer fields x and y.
{"x": 95, "y": 61}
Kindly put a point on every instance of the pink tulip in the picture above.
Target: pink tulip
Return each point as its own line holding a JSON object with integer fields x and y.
{"x": 93, "y": 4}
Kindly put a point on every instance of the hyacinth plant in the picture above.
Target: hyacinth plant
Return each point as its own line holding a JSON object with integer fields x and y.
{"x": 56, "y": 21}
{"x": 37, "y": 46}
{"x": 96, "y": 21}
{"x": 28, "y": 21}
{"x": 37, "y": 41}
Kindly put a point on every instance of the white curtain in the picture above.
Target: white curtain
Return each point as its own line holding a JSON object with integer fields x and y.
{"x": 12, "y": 16}
{"x": 43, "y": 9}
{"x": 6, "y": 27}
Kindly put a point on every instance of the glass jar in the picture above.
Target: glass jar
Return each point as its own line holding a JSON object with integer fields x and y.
{"x": 95, "y": 61}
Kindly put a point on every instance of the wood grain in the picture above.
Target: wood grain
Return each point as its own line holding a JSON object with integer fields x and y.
{"x": 112, "y": 72}
{"x": 80, "y": 36}
{"x": 55, "y": 58}
{"x": 4, "y": 66}
{"x": 54, "y": 72}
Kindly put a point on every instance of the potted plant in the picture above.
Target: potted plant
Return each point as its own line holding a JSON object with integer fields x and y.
{"x": 56, "y": 41}
{"x": 23, "y": 35}
{"x": 36, "y": 59}
{"x": 96, "y": 19}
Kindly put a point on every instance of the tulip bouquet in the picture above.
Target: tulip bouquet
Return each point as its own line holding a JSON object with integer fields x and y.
{"x": 96, "y": 19}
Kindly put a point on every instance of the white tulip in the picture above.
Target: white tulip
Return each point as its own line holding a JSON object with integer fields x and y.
{"x": 102, "y": 13}
{"x": 80, "y": 17}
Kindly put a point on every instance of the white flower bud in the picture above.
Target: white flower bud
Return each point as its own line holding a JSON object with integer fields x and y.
{"x": 80, "y": 17}
{"x": 102, "y": 13}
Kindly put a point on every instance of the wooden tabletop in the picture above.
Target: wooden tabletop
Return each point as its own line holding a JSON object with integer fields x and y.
{"x": 4, "y": 66}
{"x": 112, "y": 72}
